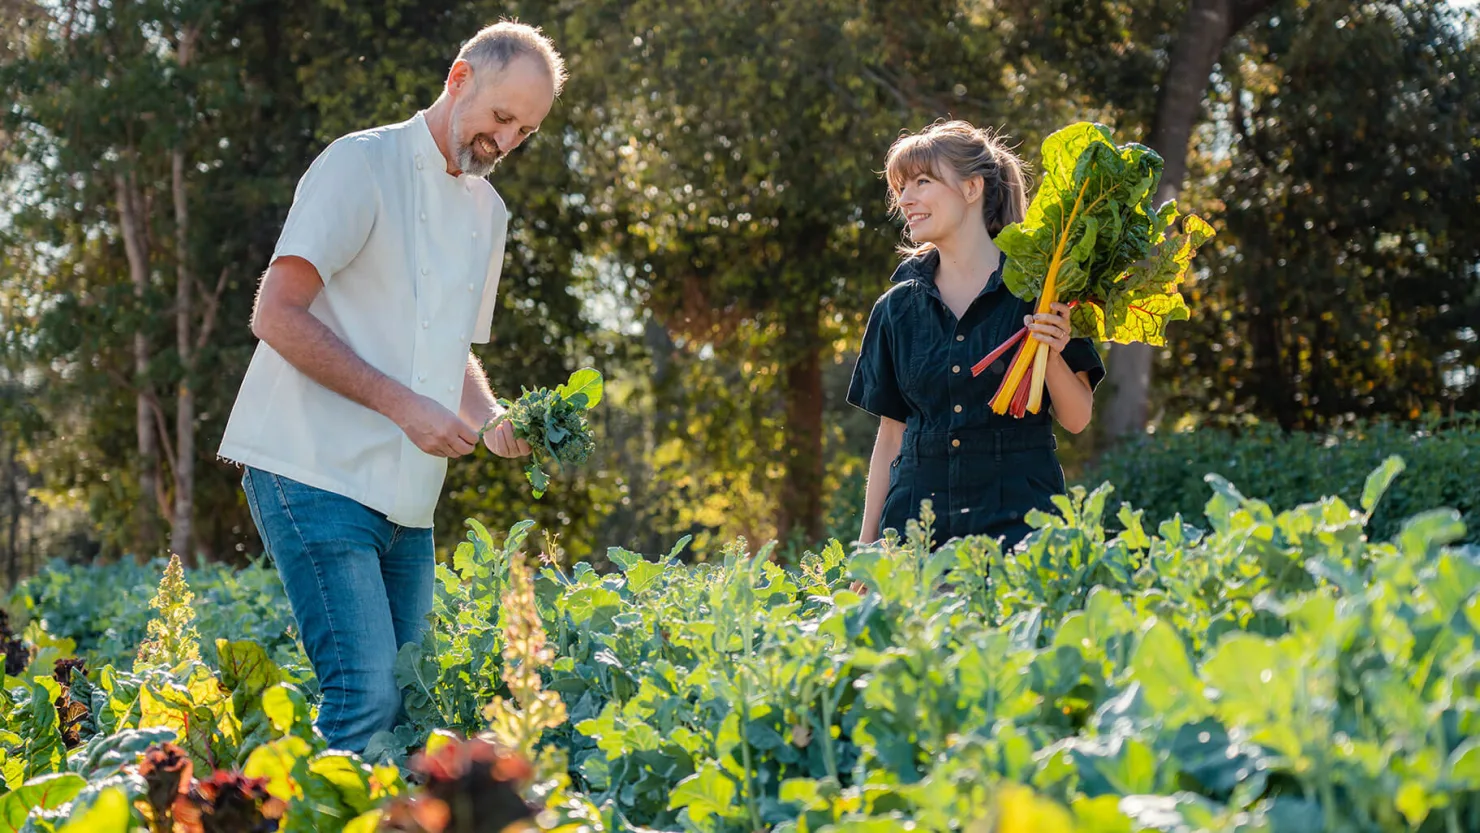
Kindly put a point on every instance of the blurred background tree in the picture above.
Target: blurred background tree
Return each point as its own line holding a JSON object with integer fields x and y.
{"x": 702, "y": 218}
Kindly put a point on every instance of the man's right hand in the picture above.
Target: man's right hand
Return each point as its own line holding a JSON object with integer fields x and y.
{"x": 435, "y": 429}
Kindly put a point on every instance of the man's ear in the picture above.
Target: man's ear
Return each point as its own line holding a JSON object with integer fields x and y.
{"x": 459, "y": 77}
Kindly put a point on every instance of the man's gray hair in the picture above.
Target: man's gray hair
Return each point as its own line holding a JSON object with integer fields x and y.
{"x": 495, "y": 46}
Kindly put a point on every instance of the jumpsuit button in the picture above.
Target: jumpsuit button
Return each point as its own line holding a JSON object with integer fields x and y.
{"x": 958, "y": 409}
{"x": 955, "y": 443}
{"x": 955, "y": 368}
{"x": 960, "y": 338}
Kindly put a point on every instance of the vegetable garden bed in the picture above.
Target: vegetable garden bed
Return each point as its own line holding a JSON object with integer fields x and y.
{"x": 1269, "y": 671}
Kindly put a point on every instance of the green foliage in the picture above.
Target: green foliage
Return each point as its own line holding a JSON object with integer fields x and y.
{"x": 1163, "y": 474}
{"x": 1094, "y": 665}
{"x": 47, "y": 792}
{"x": 105, "y": 609}
{"x": 110, "y": 813}
{"x": 1342, "y": 281}
{"x": 1279, "y": 670}
{"x": 455, "y": 671}
{"x": 518, "y": 721}
{"x": 71, "y": 317}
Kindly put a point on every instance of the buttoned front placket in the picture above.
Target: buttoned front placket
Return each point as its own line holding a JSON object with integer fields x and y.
{"x": 412, "y": 463}
{"x": 431, "y": 372}
{"x": 444, "y": 215}
{"x": 958, "y": 381}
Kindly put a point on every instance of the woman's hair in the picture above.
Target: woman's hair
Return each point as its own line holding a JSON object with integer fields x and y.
{"x": 963, "y": 151}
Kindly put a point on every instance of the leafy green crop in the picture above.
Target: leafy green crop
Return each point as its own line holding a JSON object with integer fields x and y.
{"x": 1163, "y": 473}
{"x": 554, "y": 424}
{"x": 105, "y": 609}
{"x": 1271, "y": 671}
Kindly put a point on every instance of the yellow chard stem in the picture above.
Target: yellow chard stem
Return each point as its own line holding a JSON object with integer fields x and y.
{"x": 1014, "y": 376}
{"x": 1040, "y": 372}
{"x": 1038, "y": 352}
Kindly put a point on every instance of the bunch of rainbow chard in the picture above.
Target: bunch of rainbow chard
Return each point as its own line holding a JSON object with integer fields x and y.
{"x": 1092, "y": 239}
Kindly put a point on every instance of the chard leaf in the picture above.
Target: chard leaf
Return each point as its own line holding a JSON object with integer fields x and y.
{"x": 1093, "y": 229}
{"x": 108, "y": 814}
{"x": 247, "y": 672}
{"x": 1140, "y": 305}
{"x": 1089, "y": 184}
{"x": 46, "y": 792}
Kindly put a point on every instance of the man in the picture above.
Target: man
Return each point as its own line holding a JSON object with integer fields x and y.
{"x": 363, "y": 384}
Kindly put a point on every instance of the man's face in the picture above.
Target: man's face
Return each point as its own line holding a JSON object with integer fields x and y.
{"x": 494, "y": 110}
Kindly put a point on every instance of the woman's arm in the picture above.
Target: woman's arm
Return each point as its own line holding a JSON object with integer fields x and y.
{"x": 1073, "y": 400}
{"x": 886, "y": 448}
{"x": 1071, "y": 393}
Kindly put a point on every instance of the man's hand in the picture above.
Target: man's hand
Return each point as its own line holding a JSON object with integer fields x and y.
{"x": 434, "y": 429}
{"x": 501, "y": 441}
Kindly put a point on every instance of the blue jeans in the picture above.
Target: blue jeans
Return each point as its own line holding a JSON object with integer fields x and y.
{"x": 360, "y": 587}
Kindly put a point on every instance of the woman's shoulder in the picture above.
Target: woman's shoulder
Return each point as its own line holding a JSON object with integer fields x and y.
{"x": 910, "y": 277}
{"x": 895, "y": 300}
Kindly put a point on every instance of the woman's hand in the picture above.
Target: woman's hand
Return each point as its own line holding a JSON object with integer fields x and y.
{"x": 1051, "y": 328}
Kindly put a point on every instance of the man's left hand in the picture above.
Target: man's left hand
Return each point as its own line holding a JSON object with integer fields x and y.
{"x": 501, "y": 441}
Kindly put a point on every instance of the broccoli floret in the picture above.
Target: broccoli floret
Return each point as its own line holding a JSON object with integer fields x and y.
{"x": 554, "y": 424}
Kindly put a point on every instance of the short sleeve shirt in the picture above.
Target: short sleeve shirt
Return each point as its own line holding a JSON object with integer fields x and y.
{"x": 410, "y": 258}
{"x": 915, "y": 362}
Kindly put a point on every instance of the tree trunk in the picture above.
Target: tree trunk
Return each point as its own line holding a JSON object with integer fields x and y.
{"x": 180, "y": 533}
{"x": 1267, "y": 340}
{"x": 184, "y": 512}
{"x": 801, "y": 492}
{"x": 1205, "y": 31}
{"x": 136, "y": 247}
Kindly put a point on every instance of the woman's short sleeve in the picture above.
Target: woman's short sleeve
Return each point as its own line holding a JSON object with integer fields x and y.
{"x": 875, "y": 384}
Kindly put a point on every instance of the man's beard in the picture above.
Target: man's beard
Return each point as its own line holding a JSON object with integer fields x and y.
{"x": 470, "y": 156}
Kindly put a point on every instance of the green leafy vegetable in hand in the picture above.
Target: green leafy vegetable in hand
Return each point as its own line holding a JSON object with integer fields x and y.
{"x": 554, "y": 424}
{"x": 1093, "y": 239}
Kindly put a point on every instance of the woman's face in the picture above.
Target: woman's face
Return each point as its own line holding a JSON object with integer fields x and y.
{"x": 935, "y": 207}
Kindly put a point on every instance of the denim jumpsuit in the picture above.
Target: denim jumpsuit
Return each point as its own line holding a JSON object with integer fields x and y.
{"x": 982, "y": 472}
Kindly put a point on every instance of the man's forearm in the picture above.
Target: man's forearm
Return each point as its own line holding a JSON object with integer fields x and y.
{"x": 478, "y": 403}
{"x": 317, "y": 352}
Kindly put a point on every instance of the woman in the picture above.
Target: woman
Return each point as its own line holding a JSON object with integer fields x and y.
{"x": 957, "y": 187}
